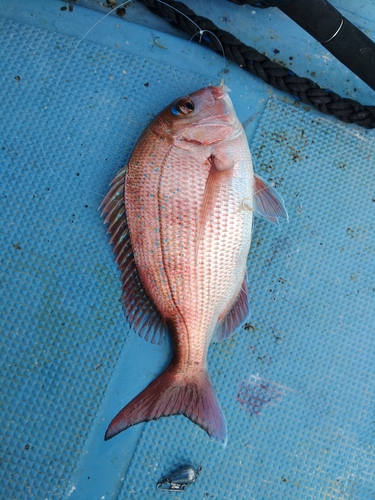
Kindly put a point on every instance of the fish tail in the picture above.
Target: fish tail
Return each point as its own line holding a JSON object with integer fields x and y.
{"x": 175, "y": 393}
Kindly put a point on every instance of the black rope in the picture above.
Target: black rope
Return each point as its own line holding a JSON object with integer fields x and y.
{"x": 280, "y": 77}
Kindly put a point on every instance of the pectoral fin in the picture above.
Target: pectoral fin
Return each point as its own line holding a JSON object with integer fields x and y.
{"x": 267, "y": 201}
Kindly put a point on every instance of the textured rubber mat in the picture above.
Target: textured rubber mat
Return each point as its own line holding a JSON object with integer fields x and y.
{"x": 296, "y": 384}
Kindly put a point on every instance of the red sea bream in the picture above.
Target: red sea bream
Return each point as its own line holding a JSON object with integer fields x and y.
{"x": 181, "y": 217}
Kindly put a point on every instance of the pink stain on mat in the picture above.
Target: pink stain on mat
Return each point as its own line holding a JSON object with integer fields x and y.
{"x": 255, "y": 393}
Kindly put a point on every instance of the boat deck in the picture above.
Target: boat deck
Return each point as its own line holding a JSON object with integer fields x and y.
{"x": 297, "y": 383}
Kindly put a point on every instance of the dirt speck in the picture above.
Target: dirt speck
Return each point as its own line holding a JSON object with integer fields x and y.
{"x": 350, "y": 232}
{"x": 248, "y": 327}
{"x": 121, "y": 11}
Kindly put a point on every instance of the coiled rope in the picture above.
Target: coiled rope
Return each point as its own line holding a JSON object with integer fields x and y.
{"x": 248, "y": 58}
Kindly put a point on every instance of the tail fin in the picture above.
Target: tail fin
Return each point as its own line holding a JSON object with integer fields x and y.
{"x": 172, "y": 393}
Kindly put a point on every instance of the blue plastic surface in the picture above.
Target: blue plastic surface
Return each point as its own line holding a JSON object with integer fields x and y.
{"x": 297, "y": 384}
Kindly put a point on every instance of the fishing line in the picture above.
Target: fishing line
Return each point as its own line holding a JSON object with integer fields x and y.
{"x": 51, "y": 102}
{"x": 54, "y": 92}
{"x": 200, "y": 32}
{"x": 298, "y": 247}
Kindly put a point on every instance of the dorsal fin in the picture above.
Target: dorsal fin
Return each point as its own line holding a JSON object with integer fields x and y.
{"x": 235, "y": 316}
{"x": 140, "y": 310}
{"x": 267, "y": 201}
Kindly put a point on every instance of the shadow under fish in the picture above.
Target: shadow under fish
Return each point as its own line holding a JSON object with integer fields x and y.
{"x": 180, "y": 215}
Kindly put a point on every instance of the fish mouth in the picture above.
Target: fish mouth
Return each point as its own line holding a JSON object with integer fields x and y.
{"x": 217, "y": 104}
{"x": 219, "y": 92}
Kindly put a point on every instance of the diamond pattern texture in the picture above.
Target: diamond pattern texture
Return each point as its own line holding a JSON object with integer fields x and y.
{"x": 296, "y": 383}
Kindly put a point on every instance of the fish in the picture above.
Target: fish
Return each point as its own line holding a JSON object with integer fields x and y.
{"x": 180, "y": 216}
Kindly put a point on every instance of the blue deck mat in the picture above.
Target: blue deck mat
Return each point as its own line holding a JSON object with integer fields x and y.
{"x": 297, "y": 384}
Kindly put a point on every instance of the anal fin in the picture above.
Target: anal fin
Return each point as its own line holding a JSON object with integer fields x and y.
{"x": 235, "y": 316}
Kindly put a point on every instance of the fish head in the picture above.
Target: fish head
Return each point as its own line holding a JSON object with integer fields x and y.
{"x": 203, "y": 118}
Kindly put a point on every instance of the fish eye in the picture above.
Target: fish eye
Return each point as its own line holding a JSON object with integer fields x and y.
{"x": 189, "y": 106}
{"x": 183, "y": 107}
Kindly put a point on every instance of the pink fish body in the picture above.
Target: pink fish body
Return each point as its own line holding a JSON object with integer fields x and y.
{"x": 182, "y": 242}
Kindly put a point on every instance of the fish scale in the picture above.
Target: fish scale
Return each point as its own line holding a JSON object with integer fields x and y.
{"x": 199, "y": 310}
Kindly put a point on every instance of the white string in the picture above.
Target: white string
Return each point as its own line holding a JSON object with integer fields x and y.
{"x": 57, "y": 85}
{"x": 200, "y": 32}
